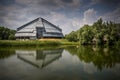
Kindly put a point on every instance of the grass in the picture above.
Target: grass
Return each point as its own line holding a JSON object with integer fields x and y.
{"x": 35, "y": 43}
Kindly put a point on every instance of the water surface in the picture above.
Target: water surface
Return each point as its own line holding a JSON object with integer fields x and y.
{"x": 68, "y": 63}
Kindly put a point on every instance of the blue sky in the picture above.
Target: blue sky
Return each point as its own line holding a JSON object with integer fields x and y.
{"x": 70, "y": 15}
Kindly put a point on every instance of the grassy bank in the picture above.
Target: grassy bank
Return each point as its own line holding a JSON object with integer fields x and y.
{"x": 36, "y": 43}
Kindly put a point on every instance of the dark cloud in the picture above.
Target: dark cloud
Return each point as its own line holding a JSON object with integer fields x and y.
{"x": 113, "y": 16}
{"x": 68, "y": 1}
{"x": 6, "y": 2}
{"x": 110, "y": 1}
{"x": 48, "y": 3}
{"x": 107, "y": 2}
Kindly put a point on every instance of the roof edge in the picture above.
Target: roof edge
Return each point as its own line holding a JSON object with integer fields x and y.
{"x": 39, "y": 18}
{"x": 19, "y": 28}
{"x": 51, "y": 24}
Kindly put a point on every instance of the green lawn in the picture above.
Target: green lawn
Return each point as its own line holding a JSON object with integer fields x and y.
{"x": 36, "y": 42}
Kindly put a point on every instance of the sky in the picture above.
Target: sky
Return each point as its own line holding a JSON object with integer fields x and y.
{"x": 69, "y": 15}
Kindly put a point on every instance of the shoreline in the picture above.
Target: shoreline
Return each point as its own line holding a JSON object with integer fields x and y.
{"x": 37, "y": 43}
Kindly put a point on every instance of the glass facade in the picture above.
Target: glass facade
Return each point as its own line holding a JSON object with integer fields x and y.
{"x": 39, "y": 29}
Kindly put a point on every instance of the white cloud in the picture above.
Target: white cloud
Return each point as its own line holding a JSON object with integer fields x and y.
{"x": 65, "y": 13}
{"x": 90, "y": 16}
{"x": 67, "y": 24}
{"x": 18, "y": 16}
{"x": 26, "y": 10}
{"x": 77, "y": 22}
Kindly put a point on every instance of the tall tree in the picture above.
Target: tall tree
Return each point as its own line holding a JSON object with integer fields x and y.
{"x": 6, "y": 33}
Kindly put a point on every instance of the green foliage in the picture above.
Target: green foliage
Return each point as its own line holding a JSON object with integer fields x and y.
{"x": 98, "y": 33}
{"x": 72, "y": 36}
{"x": 6, "y": 33}
{"x": 86, "y": 34}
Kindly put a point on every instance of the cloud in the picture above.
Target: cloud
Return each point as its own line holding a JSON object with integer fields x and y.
{"x": 68, "y": 14}
{"x": 6, "y": 2}
{"x": 95, "y": 2}
{"x": 50, "y": 3}
{"x": 107, "y": 2}
{"x": 112, "y": 16}
{"x": 23, "y": 11}
{"x": 90, "y": 16}
{"x": 77, "y": 22}
{"x": 25, "y": 2}
{"x": 65, "y": 22}
{"x": 69, "y": 3}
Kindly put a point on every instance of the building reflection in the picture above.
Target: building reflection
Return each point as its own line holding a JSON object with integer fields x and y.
{"x": 39, "y": 58}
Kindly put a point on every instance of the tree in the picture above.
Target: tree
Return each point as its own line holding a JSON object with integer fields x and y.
{"x": 72, "y": 36}
{"x": 6, "y": 33}
{"x": 86, "y": 34}
{"x": 101, "y": 32}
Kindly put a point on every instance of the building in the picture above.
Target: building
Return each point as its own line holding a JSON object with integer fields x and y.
{"x": 38, "y": 28}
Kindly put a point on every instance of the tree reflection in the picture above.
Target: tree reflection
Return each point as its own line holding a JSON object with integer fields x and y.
{"x": 6, "y": 53}
{"x": 101, "y": 57}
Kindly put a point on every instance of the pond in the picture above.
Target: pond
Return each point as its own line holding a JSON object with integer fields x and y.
{"x": 63, "y": 63}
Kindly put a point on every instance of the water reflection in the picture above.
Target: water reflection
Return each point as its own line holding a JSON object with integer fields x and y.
{"x": 6, "y": 53}
{"x": 39, "y": 58}
{"x": 70, "y": 63}
{"x": 101, "y": 57}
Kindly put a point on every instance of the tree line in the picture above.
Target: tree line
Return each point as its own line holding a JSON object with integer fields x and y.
{"x": 98, "y": 33}
{"x": 6, "y": 33}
